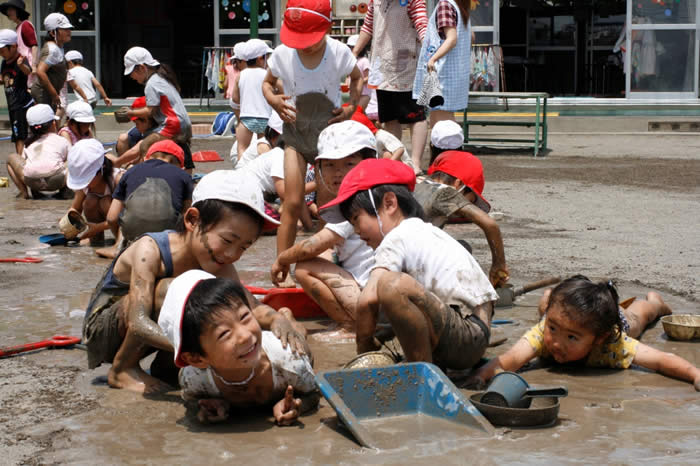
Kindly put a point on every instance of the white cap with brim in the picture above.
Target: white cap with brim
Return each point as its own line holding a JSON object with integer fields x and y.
{"x": 56, "y": 21}
{"x": 80, "y": 111}
{"x": 73, "y": 55}
{"x": 447, "y": 134}
{"x": 138, "y": 56}
{"x": 233, "y": 186}
{"x": 256, "y": 48}
{"x": 85, "y": 159}
{"x": 40, "y": 114}
{"x": 352, "y": 40}
{"x": 275, "y": 122}
{"x": 172, "y": 310}
{"x": 7, "y": 37}
{"x": 239, "y": 51}
{"x": 343, "y": 139}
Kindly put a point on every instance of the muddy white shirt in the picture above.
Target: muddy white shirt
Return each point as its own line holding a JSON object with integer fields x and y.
{"x": 436, "y": 261}
{"x": 265, "y": 167}
{"x": 354, "y": 255}
{"x": 287, "y": 369}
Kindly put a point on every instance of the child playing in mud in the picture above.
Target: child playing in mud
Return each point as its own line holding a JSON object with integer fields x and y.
{"x": 454, "y": 189}
{"x": 226, "y": 360}
{"x": 388, "y": 145}
{"x": 127, "y": 149}
{"x": 226, "y": 218}
{"x": 81, "y": 121}
{"x": 584, "y": 324}
{"x": 445, "y": 135}
{"x": 436, "y": 297}
{"x": 333, "y": 265}
{"x": 303, "y": 86}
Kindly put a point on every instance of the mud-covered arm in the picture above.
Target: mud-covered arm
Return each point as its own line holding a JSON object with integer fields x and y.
{"x": 668, "y": 364}
{"x": 145, "y": 264}
{"x": 513, "y": 359}
{"x": 310, "y": 247}
{"x": 499, "y": 271}
{"x": 366, "y": 314}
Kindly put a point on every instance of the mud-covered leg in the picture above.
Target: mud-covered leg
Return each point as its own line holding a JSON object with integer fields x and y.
{"x": 642, "y": 312}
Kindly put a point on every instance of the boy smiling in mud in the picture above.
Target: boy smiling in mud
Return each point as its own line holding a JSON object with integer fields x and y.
{"x": 226, "y": 218}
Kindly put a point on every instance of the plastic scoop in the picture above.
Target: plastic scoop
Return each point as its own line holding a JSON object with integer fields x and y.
{"x": 509, "y": 389}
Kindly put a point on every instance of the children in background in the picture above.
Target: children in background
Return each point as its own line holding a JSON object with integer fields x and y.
{"x": 436, "y": 297}
{"x": 363, "y": 66}
{"x": 258, "y": 146}
{"x": 15, "y": 71}
{"x": 92, "y": 178}
{"x": 51, "y": 70}
{"x": 388, "y": 145}
{"x": 226, "y": 218}
{"x": 82, "y": 79}
{"x": 27, "y": 44}
{"x": 454, "y": 189}
{"x": 143, "y": 126}
{"x": 80, "y": 122}
{"x": 42, "y": 165}
{"x": 584, "y": 324}
{"x": 247, "y": 91}
{"x": 445, "y": 135}
{"x": 302, "y": 85}
{"x": 150, "y": 196}
{"x": 163, "y": 100}
{"x": 227, "y": 361}
{"x": 239, "y": 64}
{"x": 334, "y": 280}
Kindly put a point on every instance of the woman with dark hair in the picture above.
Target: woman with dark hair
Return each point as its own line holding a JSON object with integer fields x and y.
{"x": 27, "y": 44}
{"x": 52, "y": 69}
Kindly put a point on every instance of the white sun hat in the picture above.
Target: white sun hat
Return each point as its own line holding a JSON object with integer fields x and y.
{"x": 447, "y": 134}
{"x": 73, "y": 55}
{"x": 80, "y": 111}
{"x": 256, "y": 48}
{"x": 7, "y": 37}
{"x": 342, "y": 139}
{"x": 40, "y": 114}
{"x": 352, "y": 40}
{"x": 173, "y": 308}
{"x": 138, "y": 56}
{"x": 85, "y": 159}
{"x": 56, "y": 21}
{"x": 275, "y": 122}
{"x": 234, "y": 186}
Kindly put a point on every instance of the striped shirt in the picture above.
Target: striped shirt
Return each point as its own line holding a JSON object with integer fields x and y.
{"x": 417, "y": 11}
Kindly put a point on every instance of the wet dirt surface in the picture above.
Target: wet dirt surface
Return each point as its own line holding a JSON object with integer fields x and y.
{"x": 634, "y": 219}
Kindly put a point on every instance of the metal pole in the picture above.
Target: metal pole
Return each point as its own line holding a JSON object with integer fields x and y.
{"x": 254, "y": 18}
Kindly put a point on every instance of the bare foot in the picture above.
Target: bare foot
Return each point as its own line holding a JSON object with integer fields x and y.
{"x": 135, "y": 379}
{"x": 109, "y": 253}
{"x": 655, "y": 298}
{"x": 544, "y": 301}
{"x": 288, "y": 282}
{"x": 335, "y": 334}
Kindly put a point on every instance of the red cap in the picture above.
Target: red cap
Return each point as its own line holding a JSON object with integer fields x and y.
{"x": 365, "y": 175}
{"x": 360, "y": 117}
{"x": 466, "y": 168}
{"x": 305, "y": 22}
{"x": 139, "y": 102}
{"x": 167, "y": 146}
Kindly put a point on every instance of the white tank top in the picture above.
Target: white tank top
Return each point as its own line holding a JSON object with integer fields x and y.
{"x": 253, "y": 103}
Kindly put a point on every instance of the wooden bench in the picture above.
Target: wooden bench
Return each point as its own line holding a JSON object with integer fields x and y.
{"x": 538, "y": 143}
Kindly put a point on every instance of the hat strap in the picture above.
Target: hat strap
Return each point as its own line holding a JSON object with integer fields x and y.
{"x": 310, "y": 11}
{"x": 376, "y": 212}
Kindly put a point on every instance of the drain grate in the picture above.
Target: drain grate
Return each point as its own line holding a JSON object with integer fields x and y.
{"x": 677, "y": 126}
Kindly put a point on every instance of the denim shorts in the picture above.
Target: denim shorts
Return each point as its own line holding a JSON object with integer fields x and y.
{"x": 255, "y": 125}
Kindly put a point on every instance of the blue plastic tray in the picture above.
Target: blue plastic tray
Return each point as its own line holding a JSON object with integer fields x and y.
{"x": 362, "y": 396}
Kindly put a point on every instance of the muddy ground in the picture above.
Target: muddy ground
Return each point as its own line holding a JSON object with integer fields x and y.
{"x": 618, "y": 206}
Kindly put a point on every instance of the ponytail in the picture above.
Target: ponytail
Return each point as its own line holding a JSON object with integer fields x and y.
{"x": 167, "y": 73}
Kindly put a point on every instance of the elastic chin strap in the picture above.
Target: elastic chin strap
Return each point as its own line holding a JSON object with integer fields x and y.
{"x": 376, "y": 212}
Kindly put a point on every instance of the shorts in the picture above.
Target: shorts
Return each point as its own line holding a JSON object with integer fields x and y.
{"x": 20, "y": 128}
{"x": 313, "y": 112}
{"x": 134, "y": 136}
{"x": 254, "y": 124}
{"x": 52, "y": 182}
{"x": 399, "y": 106}
{"x": 463, "y": 340}
{"x": 101, "y": 333}
{"x": 149, "y": 208}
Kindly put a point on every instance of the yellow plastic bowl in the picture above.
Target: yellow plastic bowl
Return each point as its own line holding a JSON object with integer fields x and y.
{"x": 682, "y": 327}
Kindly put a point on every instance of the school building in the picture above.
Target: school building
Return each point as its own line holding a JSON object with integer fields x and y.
{"x": 614, "y": 51}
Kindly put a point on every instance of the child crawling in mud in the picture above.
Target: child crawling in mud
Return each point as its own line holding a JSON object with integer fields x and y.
{"x": 226, "y": 359}
{"x": 583, "y": 324}
{"x": 226, "y": 218}
{"x": 436, "y": 297}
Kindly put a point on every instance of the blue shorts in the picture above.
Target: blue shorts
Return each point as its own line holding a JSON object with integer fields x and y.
{"x": 134, "y": 136}
{"x": 255, "y": 125}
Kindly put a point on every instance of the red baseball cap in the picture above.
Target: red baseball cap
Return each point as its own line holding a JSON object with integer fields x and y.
{"x": 167, "y": 146}
{"x": 360, "y": 116}
{"x": 305, "y": 22}
{"x": 139, "y": 102}
{"x": 365, "y": 175}
{"x": 466, "y": 168}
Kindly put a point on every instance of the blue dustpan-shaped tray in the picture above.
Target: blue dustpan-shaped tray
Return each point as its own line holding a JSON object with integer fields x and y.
{"x": 55, "y": 239}
{"x": 362, "y": 396}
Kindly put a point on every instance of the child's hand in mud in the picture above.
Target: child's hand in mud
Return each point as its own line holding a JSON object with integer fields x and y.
{"x": 92, "y": 230}
{"x": 499, "y": 275}
{"x": 696, "y": 383}
{"x": 284, "y": 109}
{"x": 279, "y": 273}
{"x": 342, "y": 114}
{"x": 288, "y": 335}
{"x": 286, "y": 410}
{"x": 473, "y": 382}
{"x": 213, "y": 410}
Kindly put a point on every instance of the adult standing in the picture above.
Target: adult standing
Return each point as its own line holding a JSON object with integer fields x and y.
{"x": 397, "y": 28}
{"x": 27, "y": 43}
{"x": 446, "y": 50}
{"x": 52, "y": 70}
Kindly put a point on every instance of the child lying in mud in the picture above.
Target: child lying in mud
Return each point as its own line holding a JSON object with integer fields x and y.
{"x": 583, "y": 324}
{"x": 436, "y": 297}
{"x": 226, "y": 218}
{"x": 226, "y": 359}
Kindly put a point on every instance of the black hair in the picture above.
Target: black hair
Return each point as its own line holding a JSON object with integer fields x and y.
{"x": 211, "y": 212}
{"x": 207, "y": 299}
{"x": 434, "y": 152}
{"x": 252, "y": 61}
{"x": 77, "y": 62}
{"x": 270, "y": 134}
{"x": 38, "y": 131}
{"x": 592, "y": 305}
{"x": 360, "y": 200}
{"x": 167, "y": 73}
{"x": 106, "y": 170}
{"x": 444, "y": 178}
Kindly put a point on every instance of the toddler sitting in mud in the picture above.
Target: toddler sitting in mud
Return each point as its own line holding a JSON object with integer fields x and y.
{"x": 583, "y": 323}
{"x": 226, "y": 359}
{"x": 436, "y": 297}
{"x": 226, "y": 218}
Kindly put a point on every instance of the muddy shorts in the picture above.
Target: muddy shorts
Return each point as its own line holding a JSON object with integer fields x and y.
{"x": 101, "y": 331}
{"x": 399, "y": 106}
{"x": 149, "y": 208}
{"x": 313, "y": 111}
{"x": 463, "y": 341}
{"x": 47, "y": 183}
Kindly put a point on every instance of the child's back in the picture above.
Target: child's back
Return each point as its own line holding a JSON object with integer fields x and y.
{"x": 83, "y": 77}
{"x": 46, "y": 156}
{"x": 265, "y": 168}
{"x": 253, "y": 103}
